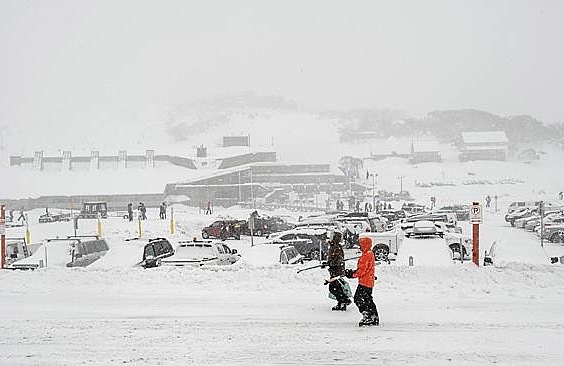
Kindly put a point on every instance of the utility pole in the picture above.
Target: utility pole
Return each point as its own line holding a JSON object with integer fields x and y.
{"x": 252, "y": 195}
{"x": 374, "y": 177}
{"x": 401, "y": 183}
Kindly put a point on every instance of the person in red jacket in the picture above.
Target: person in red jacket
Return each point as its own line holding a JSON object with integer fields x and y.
{"x": 365, "y": 274}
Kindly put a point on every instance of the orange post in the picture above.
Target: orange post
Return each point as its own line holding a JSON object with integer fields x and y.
{"x": 476, "y": 244}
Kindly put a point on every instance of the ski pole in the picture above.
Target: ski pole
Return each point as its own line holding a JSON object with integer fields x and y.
{"x": 322, "y": 265}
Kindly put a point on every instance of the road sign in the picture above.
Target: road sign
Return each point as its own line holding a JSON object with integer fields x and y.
{"x": 476, "y": 214}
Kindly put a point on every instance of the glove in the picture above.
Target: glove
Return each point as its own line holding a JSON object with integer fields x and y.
{"x": 326, "y": 282}
{"x": 324, "y": 264}
{"x": 349, "y": 273}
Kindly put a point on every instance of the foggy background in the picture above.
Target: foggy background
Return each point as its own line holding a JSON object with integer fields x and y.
{"x": 64, "y": 63}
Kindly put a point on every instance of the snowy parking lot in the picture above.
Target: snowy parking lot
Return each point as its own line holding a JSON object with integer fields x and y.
{"x": 261, "y": 312}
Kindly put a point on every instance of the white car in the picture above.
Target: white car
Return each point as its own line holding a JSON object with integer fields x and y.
{"x": 202, "y": 252}
{"x": 384, "y": 243}
{"x": 424, "y": 250}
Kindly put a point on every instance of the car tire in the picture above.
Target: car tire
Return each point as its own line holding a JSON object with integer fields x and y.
{"x": 258, "y": 232}
{"x": 205, "y": 234}
{"x": 381, "y": 253}
{"x": 314, "y": 254}
{"x": 557, "y": 237}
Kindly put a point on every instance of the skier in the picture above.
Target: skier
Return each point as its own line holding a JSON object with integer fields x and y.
{"x": 130, "y": 211}
{"x": 336, "y": 263}
{"x": 488, "y": 200}
{"x": 365, "y": 274}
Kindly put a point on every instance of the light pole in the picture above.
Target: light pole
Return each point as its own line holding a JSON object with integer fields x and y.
{"x": 401, "y": 183}
{"x": 374, "y": 177}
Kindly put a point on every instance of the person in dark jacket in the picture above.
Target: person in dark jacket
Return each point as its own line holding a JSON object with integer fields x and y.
{"x": 336, "y": 264}
{"x": 365, "y": 274}
{"x": 130, "y": 211}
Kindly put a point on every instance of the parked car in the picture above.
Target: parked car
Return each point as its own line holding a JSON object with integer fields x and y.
{"x": 462, "y": 212}
{"x": 87, "y": 250}
{"x": 155, "y": 251}
{"x": 202, "y": 252}
{"x": 519, "y": 213}
{"x": 306, "y": 240}
{"x": 48, "y": 217}
{"x": 224, "y": 229}
{"x": 290, "y": 255}
{"x": 384, "y": 243}
{"x": 16, "y": 249}
{"x": 265, "y": 225}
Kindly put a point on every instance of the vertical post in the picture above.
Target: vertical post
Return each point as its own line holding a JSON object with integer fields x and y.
{"x": 476, "y": 244}
{"x": 140, "y": 228}
{"x": 373, "y": 191}
{"x": 3, "y": 235}
{"x": 27, "y": 232}
{"x": 252, "y": 226}
{"x": 99, "y": 226}
{"x": 172, "y": 220}
{"x": 239, "y": 186}
{"x": 541, "y": 211}
{"x": 252, "y": 195}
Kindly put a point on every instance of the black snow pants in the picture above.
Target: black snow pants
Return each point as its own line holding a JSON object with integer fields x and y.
{"x": 338, "y": 291}
{"x": 363, "y": 300}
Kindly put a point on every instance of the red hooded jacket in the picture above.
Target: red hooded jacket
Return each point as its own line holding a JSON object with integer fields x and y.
{"x": 365, "y": 266}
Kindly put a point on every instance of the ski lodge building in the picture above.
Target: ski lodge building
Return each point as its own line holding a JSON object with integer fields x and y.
{"x": 484, "y": 145}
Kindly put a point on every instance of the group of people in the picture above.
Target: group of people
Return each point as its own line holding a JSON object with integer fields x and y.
{"x": 365, "y": 273}
{"x": 142, "y": 211}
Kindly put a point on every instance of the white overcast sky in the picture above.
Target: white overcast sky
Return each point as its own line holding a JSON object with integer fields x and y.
{"x": 98, "y": 61}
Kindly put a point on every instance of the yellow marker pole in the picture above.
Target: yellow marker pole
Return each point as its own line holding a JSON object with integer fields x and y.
{"x": 140, "y": 229}
{"x": 172, "y": 221}
{"x": 99, "y": 227}
{"x": 27, "y": 232}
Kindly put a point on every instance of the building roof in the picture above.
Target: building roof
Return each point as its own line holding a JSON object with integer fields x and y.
{"x": 425, "y": 146}
{"x": 485, "y": 137}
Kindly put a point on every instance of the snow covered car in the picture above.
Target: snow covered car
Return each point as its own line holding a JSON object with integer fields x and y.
{"x": 45, "y": 218}
{"x": 384, "y": 243}
{"x": 290, "y": 255}
{"x": 16, "y": 249}
{"x": 306, "y": 240}
{"x": 154, "y": 252}
{"x": 201, "y": 252}
{"x": 424, "y": 228}
{"x": 462, "y": 212}
{"x": 224, "y": 229}
{"x": 424, "y": 250}
{"x": 265, "y": 225}
{"x": 85, "y": 252}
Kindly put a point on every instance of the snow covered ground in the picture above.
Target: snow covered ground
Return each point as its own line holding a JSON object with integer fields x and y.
{"x": 259, "y": 312}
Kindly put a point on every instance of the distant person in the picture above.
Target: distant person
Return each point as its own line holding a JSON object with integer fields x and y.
{"x": 366, "y": 207}
{"x": 130, "y": 211}
{"x": 561, "y": 196}
{"x": 488, "y": 200}
{"x": 22, "y": 215}
{"x": 11, "y": 215}
{"x": 208, "y": 210}
{"x": 162, "y": 211}
{"x": 357, "y": 206}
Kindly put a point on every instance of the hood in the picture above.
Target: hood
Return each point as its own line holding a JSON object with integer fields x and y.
{"x": 365, "y": 244}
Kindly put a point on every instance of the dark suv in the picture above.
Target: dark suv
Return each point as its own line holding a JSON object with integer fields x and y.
{"x": 155, "y": 250}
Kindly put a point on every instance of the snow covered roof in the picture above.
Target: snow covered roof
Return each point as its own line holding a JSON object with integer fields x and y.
{"x": 425, "y": 146}
{"x": 485, "y": 137}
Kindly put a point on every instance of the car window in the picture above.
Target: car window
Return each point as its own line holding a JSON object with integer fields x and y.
{"x": 149, "y": 251}
{"x": 220, "y": 249}
{"x": 216, "y": 224}
{"x": 287, "y": 237}
{"x": 226, "y": 248}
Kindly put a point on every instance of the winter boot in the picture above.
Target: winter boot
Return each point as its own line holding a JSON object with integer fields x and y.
{"x": 337, "y": 307}
{"x": 374, "y": 320}
{"x": 366, "y": 319}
